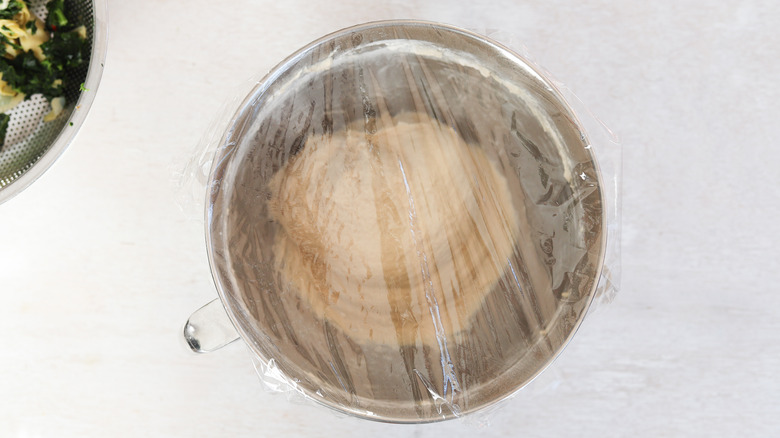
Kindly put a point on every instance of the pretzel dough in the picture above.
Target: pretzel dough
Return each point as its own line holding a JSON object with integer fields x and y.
{"x": 395, "y": 237}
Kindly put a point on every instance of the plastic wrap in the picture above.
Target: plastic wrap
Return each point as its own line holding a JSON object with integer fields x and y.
{"x": 407, "y": 221}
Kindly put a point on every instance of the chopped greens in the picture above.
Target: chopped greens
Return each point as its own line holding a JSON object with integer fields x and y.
{"x": 56, "y": 18}
{"x": 4, "y": 119}
{"x": 12, "y": 8}
{"x": 32, "y": 29}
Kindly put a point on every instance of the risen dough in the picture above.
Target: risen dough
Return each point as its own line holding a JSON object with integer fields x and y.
{"x": 395, "y": 237}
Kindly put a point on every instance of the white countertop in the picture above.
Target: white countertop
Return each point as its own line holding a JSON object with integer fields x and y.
{"x": 99, "y": 267}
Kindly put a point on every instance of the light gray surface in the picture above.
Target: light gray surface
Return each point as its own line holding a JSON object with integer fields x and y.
{"x": 100, "y": 268}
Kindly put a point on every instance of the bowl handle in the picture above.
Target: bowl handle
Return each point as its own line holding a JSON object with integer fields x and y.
{"x": 209, "y": 328}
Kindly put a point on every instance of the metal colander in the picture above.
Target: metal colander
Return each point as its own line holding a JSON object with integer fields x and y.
{"x": 32, "y": 145}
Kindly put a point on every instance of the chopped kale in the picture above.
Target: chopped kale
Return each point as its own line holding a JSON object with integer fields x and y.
{"x": 56, "y": 19}
{"x": 12, "y": 8}
{"x": 65, "y": 51}
{"x": 4, "y": 119}
{"x": 27, "y": 75}
{"x": 31, "y": 27}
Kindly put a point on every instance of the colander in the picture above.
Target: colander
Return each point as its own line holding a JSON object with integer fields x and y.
{"x": 32, "y": 145}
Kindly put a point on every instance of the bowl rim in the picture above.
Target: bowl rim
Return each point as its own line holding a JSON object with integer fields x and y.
{"x": 226, "y": 147}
